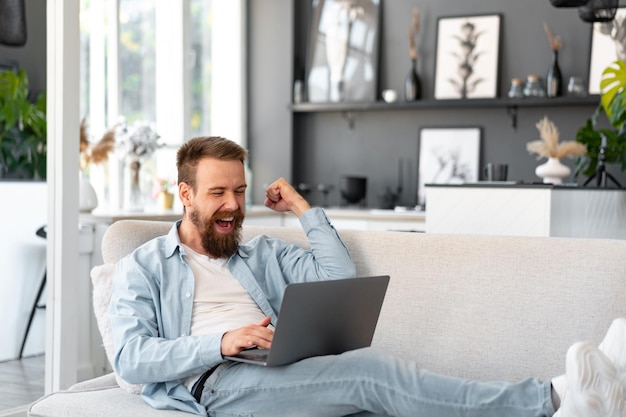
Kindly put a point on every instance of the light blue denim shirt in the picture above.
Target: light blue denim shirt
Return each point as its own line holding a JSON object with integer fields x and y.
{"x": 152, "y": 299}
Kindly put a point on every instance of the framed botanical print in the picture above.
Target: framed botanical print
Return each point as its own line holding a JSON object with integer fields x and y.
{"x": 468, "y": 57}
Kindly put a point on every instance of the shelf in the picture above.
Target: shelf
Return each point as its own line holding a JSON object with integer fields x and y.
{"x": 511, "y": 105}
{"x": 592, "y": 100}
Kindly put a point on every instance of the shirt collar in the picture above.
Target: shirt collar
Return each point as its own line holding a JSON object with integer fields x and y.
{"x": 172, "y": 241}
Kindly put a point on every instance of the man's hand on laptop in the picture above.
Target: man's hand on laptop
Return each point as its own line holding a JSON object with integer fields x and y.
{"x": 247, "y": 337}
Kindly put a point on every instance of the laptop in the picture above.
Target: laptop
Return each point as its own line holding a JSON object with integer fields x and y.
{"x": 322, "y": 318}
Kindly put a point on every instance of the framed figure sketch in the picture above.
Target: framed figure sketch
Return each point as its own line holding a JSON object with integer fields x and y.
{"x": 468, "y": 57}
{"x": 342, "y": 56}
{"x": 447, "y": 155}
{"x": 608, "y": 44}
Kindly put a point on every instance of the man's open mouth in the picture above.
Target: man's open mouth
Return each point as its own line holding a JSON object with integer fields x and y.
{"x": 226, "y": 224}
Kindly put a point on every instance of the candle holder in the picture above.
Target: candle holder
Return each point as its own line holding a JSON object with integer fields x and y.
{"x": 325, "y": 189}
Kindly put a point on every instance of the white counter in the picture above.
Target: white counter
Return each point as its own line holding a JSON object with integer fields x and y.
{"x": 526, "y": 210}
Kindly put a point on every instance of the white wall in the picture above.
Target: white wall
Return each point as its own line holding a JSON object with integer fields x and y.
{"x": 22, "y": 264}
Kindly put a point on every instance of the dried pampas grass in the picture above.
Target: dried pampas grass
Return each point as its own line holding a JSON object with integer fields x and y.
{"x": 555, "y": 41}
{"x": 549, "y": 146}
{"x": 100, "y": 150}
{"x": 95, "y": 153}
{"x": 413, "y": 31}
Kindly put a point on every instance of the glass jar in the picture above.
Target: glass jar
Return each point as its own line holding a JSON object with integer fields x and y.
{"x": 533, "y": 87}
{"x": 517, "y": 90}
{"x": 576, "y": 88}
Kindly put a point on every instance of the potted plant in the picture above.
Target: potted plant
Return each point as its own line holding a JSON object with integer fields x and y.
{"x": 22, "y": 129}
{"x": 613, "y": 105}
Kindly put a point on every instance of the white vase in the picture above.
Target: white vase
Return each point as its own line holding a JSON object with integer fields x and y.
{"x": 87, "y": 198}
{"x": 553, "y": 171}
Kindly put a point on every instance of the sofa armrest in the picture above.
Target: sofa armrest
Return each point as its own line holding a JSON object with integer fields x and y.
{"x": 104, "y": 381}
{"x": 96, "y": 402}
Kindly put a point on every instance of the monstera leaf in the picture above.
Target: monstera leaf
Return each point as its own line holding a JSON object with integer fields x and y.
{"x": 613, "y": 93}
{"x": 613, "y": 105}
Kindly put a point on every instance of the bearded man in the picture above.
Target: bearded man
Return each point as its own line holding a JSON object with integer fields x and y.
{"x": 182, "y": 302}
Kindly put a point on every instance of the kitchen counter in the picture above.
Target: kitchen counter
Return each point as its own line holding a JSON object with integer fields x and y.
{"x": 342, "y": 217}
{"x": 111, "y": 216}
{"x": 256, "y": 211}
{"x": 346, "y": 218}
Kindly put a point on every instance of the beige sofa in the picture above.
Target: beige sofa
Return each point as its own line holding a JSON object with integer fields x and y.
{"x": 480, "y": 307}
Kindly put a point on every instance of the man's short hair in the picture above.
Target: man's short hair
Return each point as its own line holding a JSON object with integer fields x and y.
{"x": 196, "y": 149}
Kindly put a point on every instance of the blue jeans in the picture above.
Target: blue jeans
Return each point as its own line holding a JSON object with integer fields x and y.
{"x": 365, "y": 382}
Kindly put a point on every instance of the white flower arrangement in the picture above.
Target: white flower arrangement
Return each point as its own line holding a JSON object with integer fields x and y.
{"x": 138, "y": 141}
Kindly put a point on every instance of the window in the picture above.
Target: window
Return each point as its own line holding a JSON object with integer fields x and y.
{"x": 166, "y": 63}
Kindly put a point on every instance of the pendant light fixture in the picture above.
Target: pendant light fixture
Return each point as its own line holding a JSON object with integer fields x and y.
{"x": 598, "y": 11}
{"x": 568, "y": 3}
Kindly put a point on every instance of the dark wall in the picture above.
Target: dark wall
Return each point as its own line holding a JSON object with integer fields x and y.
{"x": 31, "y": 56}
{"x": 270, "y": 62}
{"x": 320, "y": 148}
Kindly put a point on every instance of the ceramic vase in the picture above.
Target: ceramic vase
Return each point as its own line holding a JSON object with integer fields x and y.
{"x": 553, "y": 171}
{"x": 87, "y": 198}
{"x": 135, "y": 197}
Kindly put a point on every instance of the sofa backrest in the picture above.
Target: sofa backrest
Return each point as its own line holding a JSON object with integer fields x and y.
{"x": 486, "y": 307}
{"x": 124, "y": 236}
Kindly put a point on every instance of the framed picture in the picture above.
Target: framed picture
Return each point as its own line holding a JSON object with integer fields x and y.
{"x": 608, "y": 44}
{"x": 343, "y": 51}
{"x": 467, "y": 59}
{"x": 447, "y": 155}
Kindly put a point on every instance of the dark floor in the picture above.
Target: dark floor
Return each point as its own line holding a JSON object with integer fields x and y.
{"x": 21, "y": 381}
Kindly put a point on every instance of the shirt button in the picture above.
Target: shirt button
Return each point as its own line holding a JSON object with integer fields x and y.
{"x": 183, "y": 334}
{"x": 187, "y": 294}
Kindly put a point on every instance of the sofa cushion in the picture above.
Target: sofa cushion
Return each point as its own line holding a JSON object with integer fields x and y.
{"x": 101, "y": 278}
{"x": 95, "y": 403}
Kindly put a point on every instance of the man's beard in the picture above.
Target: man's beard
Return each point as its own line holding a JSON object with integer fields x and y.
{"x": 219, "y": 245}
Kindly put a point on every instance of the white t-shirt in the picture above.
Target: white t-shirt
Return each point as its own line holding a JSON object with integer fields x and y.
{"x": 220, "y": 302}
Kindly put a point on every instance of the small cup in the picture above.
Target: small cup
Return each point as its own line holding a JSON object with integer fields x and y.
{"x": 496, "y": 172}
{"x": 390, "y": 95}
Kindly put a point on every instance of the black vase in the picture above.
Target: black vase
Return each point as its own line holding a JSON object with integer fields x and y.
{"x": 554, "y": 80}
{"x": 412, "y": 84}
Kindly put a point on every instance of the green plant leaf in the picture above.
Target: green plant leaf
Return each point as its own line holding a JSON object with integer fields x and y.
{"x": 613, "y": 92}
{"x": 22, "y": 128}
